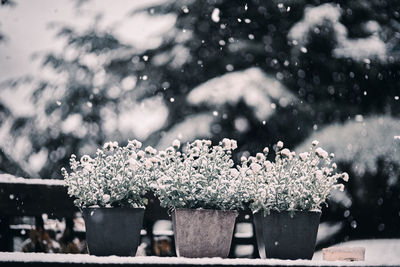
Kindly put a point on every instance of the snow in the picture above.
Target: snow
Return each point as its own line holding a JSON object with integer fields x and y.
{"x": 194, "y": 126}
{"x": 360, "y": 143}
{"x": 20, "y": 106}
{"x": 382, "y": 252}
{"x": 73, "y": 124}
{"x": 7, "y": 178}
{"x": 143, "y": 118}
{"x": 38, "y": 160}
{"x": 257, "y": 89}
{"x": 357, "y": 49}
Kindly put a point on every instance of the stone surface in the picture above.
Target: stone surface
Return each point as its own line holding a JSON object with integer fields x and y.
{"x": 343, "y": 253}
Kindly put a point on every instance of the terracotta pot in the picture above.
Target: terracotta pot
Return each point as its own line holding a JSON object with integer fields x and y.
{"x": 113, "y": 231}
{"x": 203, "y": 233}
{"x": 283, "y": 235}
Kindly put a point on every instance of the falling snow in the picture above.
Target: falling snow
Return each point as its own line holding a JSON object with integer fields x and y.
{"x": 215, "y": 15}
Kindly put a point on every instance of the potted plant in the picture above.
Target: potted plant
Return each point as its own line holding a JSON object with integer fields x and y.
{"x": 199, "y": 186}
{"x": 109, "y": 189}
{"x": 286, "y": 197}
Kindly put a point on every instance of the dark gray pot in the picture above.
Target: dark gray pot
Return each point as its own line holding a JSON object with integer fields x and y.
{"x": 283, "y": 236}
{"x": 203, "y": 233}
{"x": 113, "y": 231}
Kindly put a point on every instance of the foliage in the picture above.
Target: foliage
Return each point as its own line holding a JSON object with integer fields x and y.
{"x": 200, "y": 177}
{"x": 116, "y": 177}
{"x": 368, "y": 151}
{"x": 290, "y": 183}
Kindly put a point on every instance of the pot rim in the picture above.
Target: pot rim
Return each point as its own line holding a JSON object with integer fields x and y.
{"x": 104, "y": 208}
{"x": 289, "y": 211}
{"x": 201, "y": 209}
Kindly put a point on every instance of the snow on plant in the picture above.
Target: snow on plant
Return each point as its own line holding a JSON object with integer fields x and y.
{"x": 293, "y": 182}
{"x": 202, "y": 176}
{"x": 116, "y": 177}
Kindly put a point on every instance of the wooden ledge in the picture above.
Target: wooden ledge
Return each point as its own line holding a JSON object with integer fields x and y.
{"x": 41, "y": 259}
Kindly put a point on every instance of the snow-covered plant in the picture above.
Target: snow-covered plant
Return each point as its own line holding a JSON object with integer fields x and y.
{"x": 116, "y": 177}
{"x": 202, "y": 176}
{"x": 293, "y": 182}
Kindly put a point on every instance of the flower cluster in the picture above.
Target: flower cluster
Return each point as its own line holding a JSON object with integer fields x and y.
{"x": 117, "y": 176}
{"x": 202, "y": 176}
{"x": 293, "y": 182}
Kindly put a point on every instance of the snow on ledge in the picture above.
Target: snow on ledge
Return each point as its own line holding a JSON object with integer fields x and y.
{"x": 88, "y": 259}
{"x": 8, "y": 178}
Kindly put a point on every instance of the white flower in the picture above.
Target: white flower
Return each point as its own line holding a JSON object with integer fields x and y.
{"x": 332, "y": 155}
{"x": 140, "y": 154}
{"x": 85, "y": 159}
{"x": 197, "y": 143}
{"x": 295, "y": 183}
{"x": 226, "y": 144}
{"x": 321, "y": 153}
{"x": 200, "y": 176}
{"x": 135, "y": 143}
{"x": 315, "y": 143}
{"x": 279, "y": 145}
{"x": 110, "y": 146}
{"x": 234, "y": 173}
{"x": 176, "y": 144}
{"x": 233, "y": 144}
{"x": 345, "y": 177}
{"x": 260, "y": 157}
{"x": 340, "y": 187}
{"x": 319, "y": 174}
{"x": 133, "y": 164}
{"x": 243, "y": 158}
{"x": 106, "y": 198}
{"x": 255, "y": 167}
{"x": 138, "y": 144}
{"x": 133, "y": 155}
{"x": 303, "y": 156}
{"x": 266, "y": 150}
{"x": 148, "y": 163}
{"x": 286, "y": 152}
{"x": 162, "y": 154}
{"x": 170, "y": 150}
{"x": 150, "y": 150}
{"x": 268, "y": 165}
{"x": 334, "y": 166}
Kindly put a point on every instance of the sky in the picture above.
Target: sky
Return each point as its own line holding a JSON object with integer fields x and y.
{"x": 28, "y": 30}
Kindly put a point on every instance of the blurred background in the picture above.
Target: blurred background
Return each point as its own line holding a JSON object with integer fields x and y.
{"x": 74, "y": 74}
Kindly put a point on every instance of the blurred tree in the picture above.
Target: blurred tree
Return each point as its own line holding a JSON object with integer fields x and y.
{"x": 335, "y": 59}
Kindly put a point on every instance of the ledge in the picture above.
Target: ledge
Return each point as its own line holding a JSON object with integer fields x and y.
{"x": 42, "y": 259}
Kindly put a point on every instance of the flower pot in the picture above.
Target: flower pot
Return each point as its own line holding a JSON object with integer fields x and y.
{"x": 203, "y": 233}
{"x": 283, "y": 235}
{"x": 113, "y": 231}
